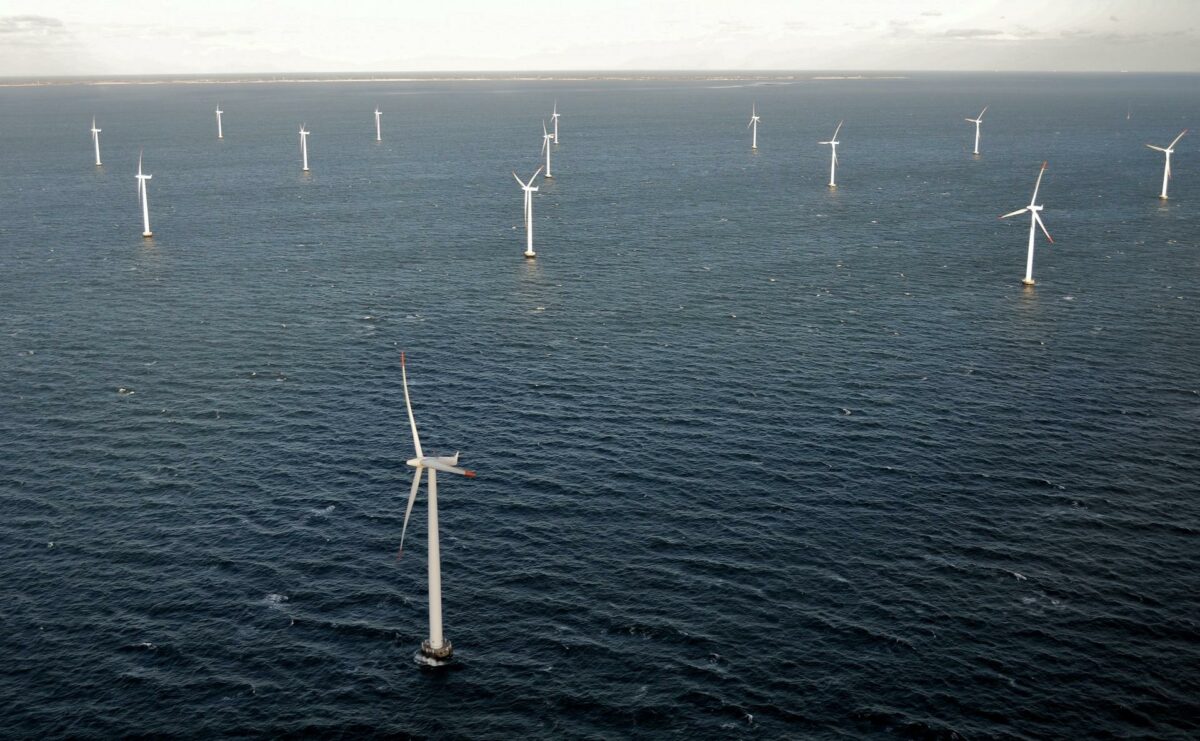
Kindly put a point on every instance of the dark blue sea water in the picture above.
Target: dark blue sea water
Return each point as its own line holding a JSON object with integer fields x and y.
{"x": 756, "y": 459}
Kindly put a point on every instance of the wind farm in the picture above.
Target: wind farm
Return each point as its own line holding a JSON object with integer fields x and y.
{"x": 961, "y": 485}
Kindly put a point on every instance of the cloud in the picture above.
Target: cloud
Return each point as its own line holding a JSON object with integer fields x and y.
{"x": 972, "y": 33}
{"x": 30, "y": 26}
{"x": 932, "y": 14}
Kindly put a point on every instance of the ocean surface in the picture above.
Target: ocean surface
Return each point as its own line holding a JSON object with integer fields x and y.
{"x": 757, "y": 459}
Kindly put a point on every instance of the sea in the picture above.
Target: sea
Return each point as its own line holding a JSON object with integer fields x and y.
{"x": 757, "y": 458}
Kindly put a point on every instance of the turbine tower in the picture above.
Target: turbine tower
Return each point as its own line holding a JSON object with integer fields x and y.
{"x": 754, "y": 119}
{"x": 378, "y": 130}
{"x": 96, "y": 140}
{"x": 977, "y": 121}
{"x": 436, "y": 650}
{"x": 554, "y": 117}
{"x": 529, "y": 189}
{"x": 1034, "y": 222}
{"x": 143, "y": 196}
{"x": 546, "y": 139}
{"x": 304, "y": 145}
{"x": 1167, "y": 150}
{"x": 833, "y": 142}
{"x": 220, "y": 132}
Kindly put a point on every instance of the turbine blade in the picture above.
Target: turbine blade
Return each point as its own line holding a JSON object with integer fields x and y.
{"x": 412, "y": 422}
{"x": 1014, "y": 213}
{"x": 835, "y": 131}
{"x": 518, "y": 180}
{"x": 982, "y": 112}
{"x": 1157, "y": 149}
{"x": 535, "y": 174}
{"x": 1038, "y": 219}
{"x": 1176, "y": 139}
{"x": 439, "y": 466}
{"x": 412, "y": 497}
{"x": 1038, "y": 184}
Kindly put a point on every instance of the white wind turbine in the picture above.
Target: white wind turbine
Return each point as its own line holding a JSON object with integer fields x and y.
{"x": 378, "y": 130}
{"x": 754, "y": 119}
{"x": 554, "y": 117}
{"x": 833, "y": 142}
{"x": 96, "y": 140}
{"x": 546, "y": 139}
{"x": 977, "y": 121}
{"x": 304, "y": 145}
{"x": 1034, "y": 222}
{"x": 144, "y": 198}
{"x": 1167, "y": 150}
{"x": 436, "y": 649}
{"x": 529, "y": 189}
{"x": 220, "y": 131}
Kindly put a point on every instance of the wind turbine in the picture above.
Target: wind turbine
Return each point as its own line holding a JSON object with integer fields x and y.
{"x": 436, "y": 650}
{"x": 977, "y": 121}
{"x": 554, "y": 117}
{"x": 378, "y": 130}
{"x": 144, "y": 198}
{"x": 833, "y": 142}
{"x": 754, "y": 119}
{"x": 96, "y": 140}
{"x": 1034, "y": 222}
{"x": 1167, "y": 150}
{"x": 304, "y": 145}
{"x": 220, "y": 132}
{"x": 529, "y": 189}
{"x": 546, "y": 137}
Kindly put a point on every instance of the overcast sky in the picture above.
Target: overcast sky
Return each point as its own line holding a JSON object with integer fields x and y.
{"x": 106, "y": 37}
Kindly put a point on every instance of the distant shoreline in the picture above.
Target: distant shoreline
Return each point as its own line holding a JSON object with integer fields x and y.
{"x": 433, "y": 77}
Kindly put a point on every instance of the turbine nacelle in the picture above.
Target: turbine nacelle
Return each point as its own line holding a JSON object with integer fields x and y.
{"x": 445, "y": 464}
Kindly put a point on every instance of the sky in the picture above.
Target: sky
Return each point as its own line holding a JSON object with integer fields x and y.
{"x": 163, "y": 37}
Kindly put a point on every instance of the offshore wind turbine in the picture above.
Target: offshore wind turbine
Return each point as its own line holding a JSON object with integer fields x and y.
{"x": 977, "y": 121}
{"x": 529, "y": 189}
{"x": 554, "y": 117}
{"x": 220, "y": 132}
{"x": 754, "y": 119}
{"x": 833, "y": 142}
{"x": 144, "y": 198}
{"x": 304, "y": 145}
{"x": 546, "y": 138}
{"x": 1167, "y": 150}
{"x": 1034, "y": 222}
{"x": 96, "y": 140}
{"x": 436, "y": 650}
{"x": 378, "y": 130}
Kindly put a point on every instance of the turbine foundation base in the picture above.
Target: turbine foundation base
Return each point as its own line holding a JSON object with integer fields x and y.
{"x": 440, "y": 654}
{"x": 1027, "y": 281}
{"x": 147, "y": 235}
{"x": 530, "y": 255}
